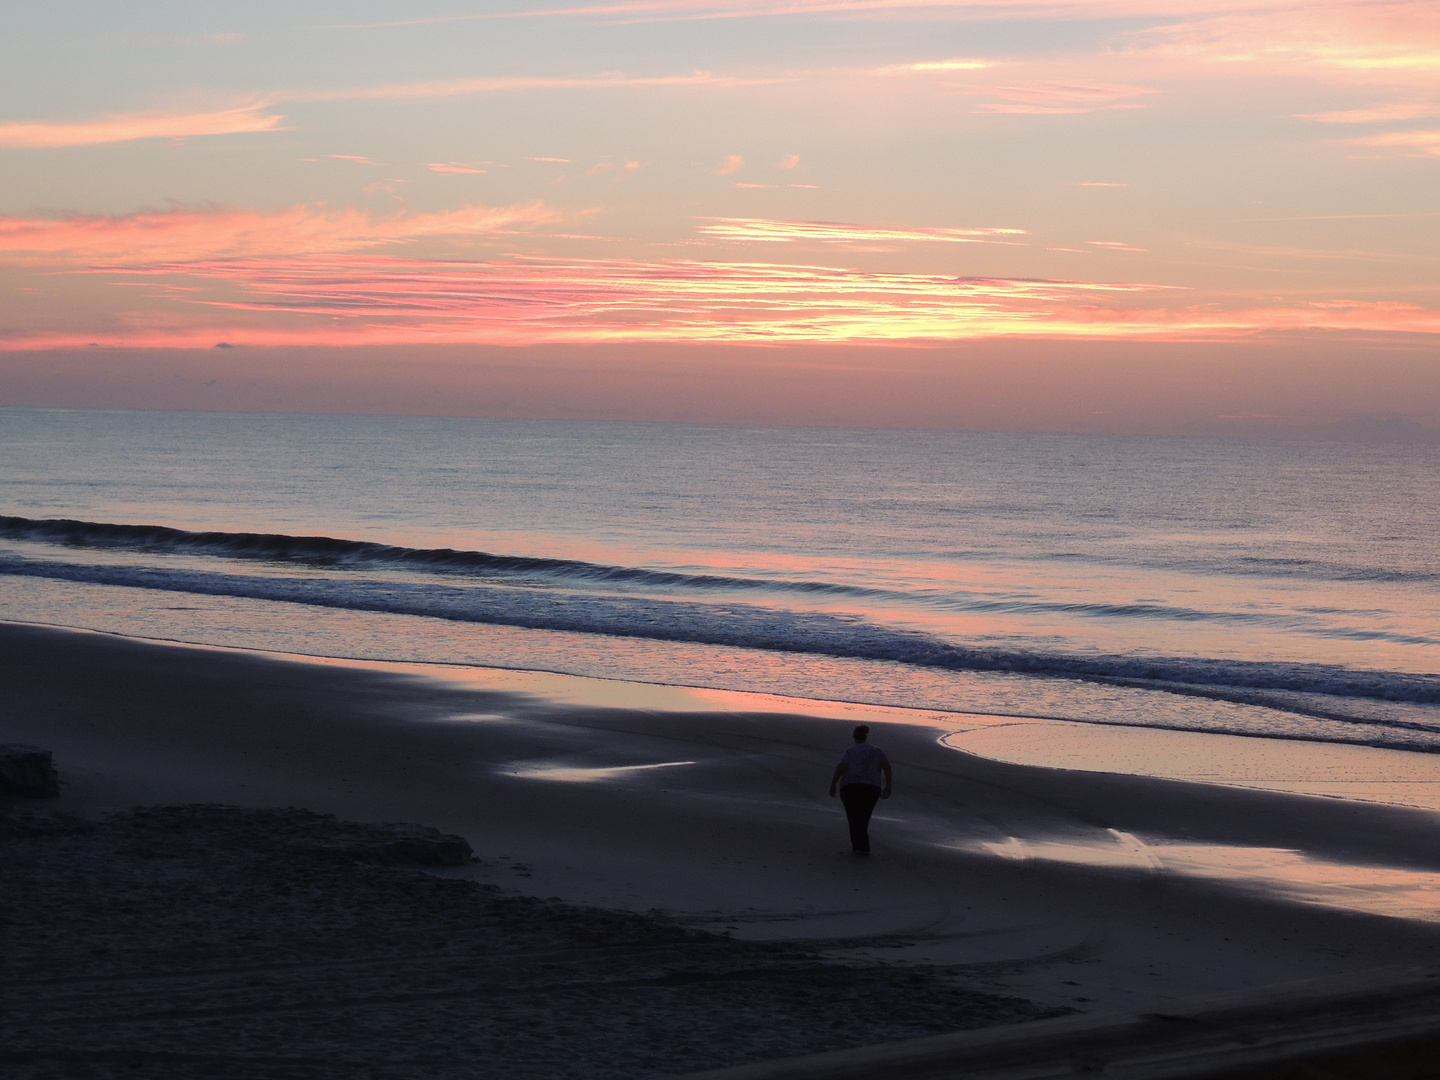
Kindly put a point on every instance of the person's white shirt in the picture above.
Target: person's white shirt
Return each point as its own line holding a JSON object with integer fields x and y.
{"x": 864, "y": 764}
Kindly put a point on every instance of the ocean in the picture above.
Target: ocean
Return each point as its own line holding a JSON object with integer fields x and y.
{"x": 1285, "y": 589}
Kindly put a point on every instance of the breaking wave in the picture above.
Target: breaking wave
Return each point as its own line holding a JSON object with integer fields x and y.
{"x": 331, "y": 553}
{"x": 753, "y": 626}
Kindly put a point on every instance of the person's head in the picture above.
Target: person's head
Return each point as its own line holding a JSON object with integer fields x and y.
{"x": 862, "y": 732}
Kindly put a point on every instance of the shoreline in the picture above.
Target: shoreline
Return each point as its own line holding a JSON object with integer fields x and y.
{"x": 741, "y": 837}
{"x": 1328, "y": 769}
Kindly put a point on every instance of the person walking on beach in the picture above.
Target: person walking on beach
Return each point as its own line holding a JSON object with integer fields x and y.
{"x": 858, "y": 779}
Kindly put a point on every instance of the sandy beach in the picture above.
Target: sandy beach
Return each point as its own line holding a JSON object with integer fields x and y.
{"x": 1070, "y": 888}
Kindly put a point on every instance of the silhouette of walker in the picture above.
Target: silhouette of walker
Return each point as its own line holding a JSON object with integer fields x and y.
{"x": 858, "y": 780}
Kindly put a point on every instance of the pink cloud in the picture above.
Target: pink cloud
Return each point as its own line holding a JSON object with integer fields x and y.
{"x": 1021, "y": 109}
{"x": 731, "y": 164}
{"x": 354, "y": 158}
{"x": 1347, "y": 217}
{"x": 1042, "y": 98}
{"x": 789, "y": 161}
{"x": 458, "y": 167}
{"x": 1378, "y": 114}
{"x": 184, "y": 234}
{"x": 365, "y": 298}
{"x": 656, "y": 10}
{"x": 441, "y": 88}
{"x": 560, "y": 160}
{"x": 601, "y": 168}
{"x": 1097, "y": 183}
{"x": 1114, "y": 245}
{"x": 1389, "y": 40}
{"x": 830, "y": 232}
{"x": 128, "y": 127}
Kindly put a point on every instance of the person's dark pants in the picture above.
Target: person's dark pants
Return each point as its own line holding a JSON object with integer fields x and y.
{"x": 859, "y": 800}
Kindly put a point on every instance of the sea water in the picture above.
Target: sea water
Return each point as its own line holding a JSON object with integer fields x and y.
{"x": 1281, "y": 588}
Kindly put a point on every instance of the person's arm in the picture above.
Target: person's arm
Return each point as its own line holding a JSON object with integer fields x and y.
{"x": 835, "y": 777}
{"x": 885, "y": 768}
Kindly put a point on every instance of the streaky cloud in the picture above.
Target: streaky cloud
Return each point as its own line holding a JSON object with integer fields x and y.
{"x": 209, "y": 232}
{"x": 1378, "y": 114}
{"x": 1412, "y": 143}
{"x": 671, "y": 10}
{"x": 785, "y": 232}
{"x": 131, "y": 127}
{"x": 365, "y": 298}
{"x": 442, "y": 88}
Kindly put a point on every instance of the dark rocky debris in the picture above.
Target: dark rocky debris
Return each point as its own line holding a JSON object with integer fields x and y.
{"x": 28, "y": 772}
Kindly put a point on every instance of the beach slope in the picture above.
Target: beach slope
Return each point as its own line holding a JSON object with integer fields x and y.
{"x": 621, "y": 797}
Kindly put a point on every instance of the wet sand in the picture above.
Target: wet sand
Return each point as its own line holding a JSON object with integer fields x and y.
{"x": 1068, "y": 887}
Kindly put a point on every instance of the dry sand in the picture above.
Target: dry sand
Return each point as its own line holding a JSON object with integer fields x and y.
{"x": 1069, "y": 888}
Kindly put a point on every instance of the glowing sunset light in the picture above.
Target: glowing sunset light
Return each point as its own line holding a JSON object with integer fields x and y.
{"x": 821, "y": 175}
{"x": 357, "y": 299}
{"x": 556, "y": 424}
{"x": 935, "y": 65}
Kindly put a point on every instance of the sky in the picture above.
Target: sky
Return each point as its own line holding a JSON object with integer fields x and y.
{"x": 1135, "y": 215}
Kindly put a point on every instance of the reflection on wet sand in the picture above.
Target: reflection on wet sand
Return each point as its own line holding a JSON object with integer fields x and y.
{"x": 1288, "y": 874}
{"x": 584, "y": 776}
{"x": 1295, "y": 767}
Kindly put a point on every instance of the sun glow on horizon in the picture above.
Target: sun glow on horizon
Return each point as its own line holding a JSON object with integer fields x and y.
{"x": 938, "y": 171}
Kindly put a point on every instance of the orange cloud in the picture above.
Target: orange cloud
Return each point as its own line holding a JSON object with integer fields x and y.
{"x": 829, "y": 232}
{"x": 1413, "y": 143}
{"x": 789, "y": 161}
{"x": 185, "y": 234}
{"x": 932, "y": 66}
{"x": 128, "y": 127}
{"x": 731, "y": 164}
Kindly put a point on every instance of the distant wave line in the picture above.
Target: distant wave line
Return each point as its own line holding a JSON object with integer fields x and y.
{"x": 341, "y": 554}
{"x": 757, "y": 627}
{"x": 337, "y": 553}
